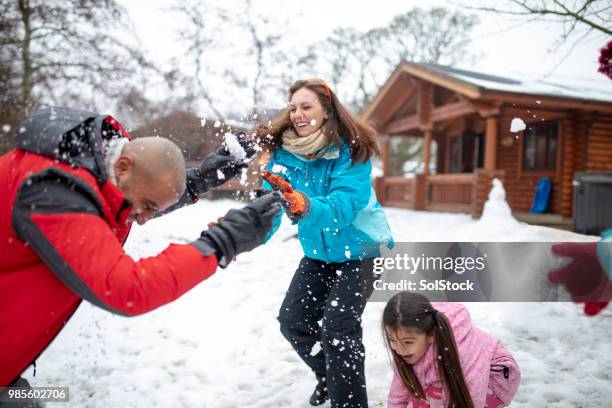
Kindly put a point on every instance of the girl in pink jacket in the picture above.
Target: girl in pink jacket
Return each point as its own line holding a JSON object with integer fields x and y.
{"x": 441, "y": 360}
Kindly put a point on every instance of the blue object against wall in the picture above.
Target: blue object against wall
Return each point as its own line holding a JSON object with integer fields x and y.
{"x": 541, "y": 197}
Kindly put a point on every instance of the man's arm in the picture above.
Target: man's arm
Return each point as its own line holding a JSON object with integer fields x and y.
{"x": 215, "y": 170}
{"x": 59, "y": 216}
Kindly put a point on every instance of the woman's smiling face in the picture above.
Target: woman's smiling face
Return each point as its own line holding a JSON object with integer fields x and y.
{"x": 305, "y": 112}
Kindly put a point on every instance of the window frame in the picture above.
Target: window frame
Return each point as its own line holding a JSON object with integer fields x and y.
{"x": 553, "y": 172}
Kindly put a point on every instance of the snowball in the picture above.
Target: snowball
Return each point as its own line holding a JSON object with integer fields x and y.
{"x": 243, "y": 177}
{"x": 334, "y": 303}
{"x": 277, "y": 168}
{"x": 517, "y": 125}
{"x": 220, "y": 175}
{"x": 202, "y": 122}
{"x": 347, "y": 253}
{"x": 217, "y": 124}
{"x": 316, "y": 348}
{"x": 234, "y": 147}
{"x": 6, "y": 128}
{"x": 313, "y": 122}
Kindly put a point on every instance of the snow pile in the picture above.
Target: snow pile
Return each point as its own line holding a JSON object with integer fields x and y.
{"x": 517, "y": 125}
{"x": 496, "y": 209}
{"x": 496, "y": 216}
{"x": 219, "y": 345}
{"x": 234, "y": 146}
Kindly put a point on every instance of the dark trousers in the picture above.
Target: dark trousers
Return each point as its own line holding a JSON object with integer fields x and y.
{"x": 335, "y": 294}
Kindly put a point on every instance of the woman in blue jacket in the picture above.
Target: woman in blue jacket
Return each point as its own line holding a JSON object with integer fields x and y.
{"x": 321, "y": 162}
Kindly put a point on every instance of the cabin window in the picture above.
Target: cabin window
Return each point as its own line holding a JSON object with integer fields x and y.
{"x": 540, "y": 147}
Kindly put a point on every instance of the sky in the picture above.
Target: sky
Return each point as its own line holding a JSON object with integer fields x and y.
{"x": 503, "y": 44}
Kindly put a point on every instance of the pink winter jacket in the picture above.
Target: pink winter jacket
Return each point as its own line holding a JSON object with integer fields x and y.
{"x": 478, "y": 352}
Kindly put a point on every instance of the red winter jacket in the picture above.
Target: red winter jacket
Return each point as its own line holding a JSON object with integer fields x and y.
{"x": 62, "y": 226}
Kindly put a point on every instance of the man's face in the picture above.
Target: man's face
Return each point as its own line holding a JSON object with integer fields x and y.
{"x": 148, "y": 195}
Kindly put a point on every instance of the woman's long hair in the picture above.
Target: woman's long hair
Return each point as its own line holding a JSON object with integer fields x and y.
{"x": 340, "y": 123}
{"x": 412, "y": 310}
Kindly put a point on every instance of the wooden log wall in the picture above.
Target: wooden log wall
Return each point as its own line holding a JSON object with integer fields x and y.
{"x": 521, "y": 185}
{"x": 588, "y": 147}
{"x": 599, "y": 144}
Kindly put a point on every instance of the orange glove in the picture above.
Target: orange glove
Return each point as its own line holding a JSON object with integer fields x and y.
{"x": 277, "y": 182}
{"x": 295, "y": 202}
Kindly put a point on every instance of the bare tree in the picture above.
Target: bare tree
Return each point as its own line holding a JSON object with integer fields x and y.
{"x": 72, "y": 52}
{"x": 250, "y": 44}
{"x": 594, "y": 14}
{"x": 201, "y": 37}
{"x": 580, "y": 19}
{"x": 357, "y": 62}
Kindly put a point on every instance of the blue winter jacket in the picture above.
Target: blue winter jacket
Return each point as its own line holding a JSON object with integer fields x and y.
{"x": 604, "y": 251}
{"x": 345, "y": 221}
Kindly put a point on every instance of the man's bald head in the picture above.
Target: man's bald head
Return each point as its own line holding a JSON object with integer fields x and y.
{"x": 159, "y": 160}
{"x": 151, "y": 174}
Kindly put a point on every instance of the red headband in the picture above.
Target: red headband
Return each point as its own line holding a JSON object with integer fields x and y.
{"x": 321, "y": 82}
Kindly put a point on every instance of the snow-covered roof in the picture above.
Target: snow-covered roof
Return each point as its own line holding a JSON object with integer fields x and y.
{"x": 567, "y": 88}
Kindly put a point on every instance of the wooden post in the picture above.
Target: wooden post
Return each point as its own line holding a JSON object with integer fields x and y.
{"x": 490, "y": 158}
{"x": 385, "y": 155}
{"x": 426, "y": 151}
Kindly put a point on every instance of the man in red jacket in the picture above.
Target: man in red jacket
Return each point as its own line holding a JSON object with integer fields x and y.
{"x": 68, "y": 193}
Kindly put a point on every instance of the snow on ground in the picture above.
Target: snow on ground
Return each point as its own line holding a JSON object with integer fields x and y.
{"x": 219, "y": 345}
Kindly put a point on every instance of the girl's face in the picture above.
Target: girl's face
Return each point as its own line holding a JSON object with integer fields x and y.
{"x": 410, "y": 343}
{"x": 306, "y": 112}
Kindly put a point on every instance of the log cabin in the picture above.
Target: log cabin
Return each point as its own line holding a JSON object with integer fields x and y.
{"x": 466, "y": 116}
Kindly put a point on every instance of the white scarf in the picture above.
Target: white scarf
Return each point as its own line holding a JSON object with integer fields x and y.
{"x": 112, "y": 151}
{"x": 308, "y": 146}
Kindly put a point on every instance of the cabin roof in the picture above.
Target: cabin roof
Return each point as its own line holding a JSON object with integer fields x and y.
{"x": 557, "y": 87}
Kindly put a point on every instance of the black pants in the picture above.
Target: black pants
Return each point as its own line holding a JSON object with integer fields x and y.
{"x": 335, "y": 294}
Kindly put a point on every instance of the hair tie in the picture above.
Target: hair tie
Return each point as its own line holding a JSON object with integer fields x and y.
{"x": 434, "y": 312}
{"x": 321, "y": 82}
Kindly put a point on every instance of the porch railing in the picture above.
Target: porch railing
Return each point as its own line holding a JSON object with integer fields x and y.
{"x": 396, "y": 191}
{"x": 449, "y": 192}
{"x": 464, "y": 192}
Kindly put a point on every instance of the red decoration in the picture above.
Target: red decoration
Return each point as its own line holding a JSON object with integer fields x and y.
{"x": 605, "y": 60}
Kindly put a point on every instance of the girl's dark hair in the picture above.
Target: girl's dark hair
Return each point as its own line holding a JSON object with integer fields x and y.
{"x": 340, "y": 123}
{"x": 412, "y": 310}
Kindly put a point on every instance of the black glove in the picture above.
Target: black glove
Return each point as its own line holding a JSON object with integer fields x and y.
{"x": 247, "y": 144}
{"x": 218, "y": 167}
{"x": 242, "y": 230}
